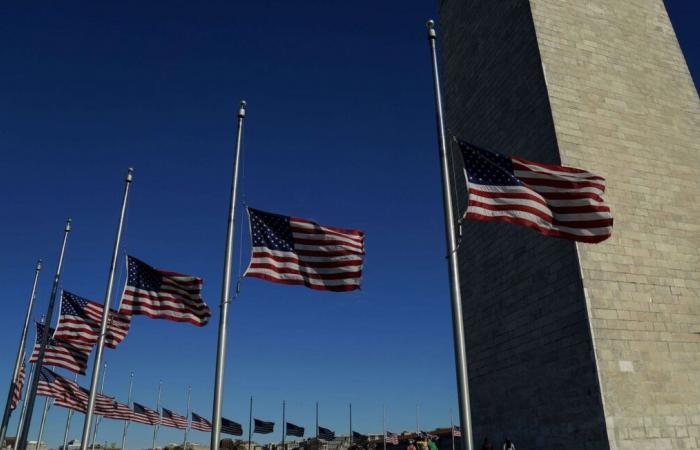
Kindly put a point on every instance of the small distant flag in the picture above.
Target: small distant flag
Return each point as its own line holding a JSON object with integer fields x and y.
{"x": 392, "y": 438}
{"x": 117, "y": 411}
{"x": 163, "y": 295}
{"x": 17, "y": 388}
{"x": 294, "y": 430}
{"x": 145, "y": 415}
{"x": 231, "y": 427}
{"x": 172, "y": 420}
{"x": 290, "y": 250}
{"x": 557, "y": 201}
{"x": 199, "y": 423}
{"x": 456, "y": 432}
{"x": 262, "y": 427}
{"x": 326, "y": 434}
{"x": 69, "y": 394}
{"x": 359, "y": 437}
{"x": 71, "y": 356}
{"x": 81, "y": 321}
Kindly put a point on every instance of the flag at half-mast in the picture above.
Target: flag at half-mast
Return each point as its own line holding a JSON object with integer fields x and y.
{"x": 173, "y": 420}
{"x": 81, "y": 321}
{"x": 294, "y": 430}
{"x": 159, "y": 294}
{"x": 71, "y": 356}
{"x": 262, "y": 427}
{"x": 231, "y": 427}
{"x": 326, "y": 434}
{"x": 290, "y": 250}
{"x": 145, "y": 415}
{"x": 558, "y": 201}
{"x": 199, "y": 423}
{"x": 17, "y": 388}
{"x": 69, "y": 394}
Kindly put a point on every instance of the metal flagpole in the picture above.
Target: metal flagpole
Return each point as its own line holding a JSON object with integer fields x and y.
{"x": 105, "y": 316}
{"x": 99, "y": 419}
{"x": 20, "y": 422}
{"x": 384, "y": 425}
{"x": 452, "y": 430}
{"x": 284, "y": 421}
{"x": 20, "y": 356}
{"x": 187, "y": 417}
{"x": 350, "y": 404}
{"x": 128, "y": 403}
{"x": 417, "y": 426}
{"x": 225, "y": 293}
{"x": 318, "y": 444}
{"x": 47, "y": 405}
{"x": 457, "y": 319}
{"x": 31, "y": 392}
{"x": 250, "y": 423}
{"x": 69, "y": 416}
{"x": 155, "y": 429}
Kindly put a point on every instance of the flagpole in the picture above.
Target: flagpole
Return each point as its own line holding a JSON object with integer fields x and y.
{"x": 99, "y": 419}
{"x": 187, "y": 417}
{"x": 128, "y": 403}
{"x": 417, "y": 426}
{"x": 250, "y": 423}
{"x": 20, "y": 422}
{"x": 284, "y": 421}
{"x": 384, "y": 425}
{"x": 105, "y": 316}
{"x": 31, "y": 392}
{"x": 69, "y": 416}
{"x": 43, "y": 422}
{"x": 318, "y": 443}
{"x": 225, "y": 292}
{"x": 452, "y": 430}
{"x": 155, "y": 429}
{"x": 20, "y": 356}
{"x": 456, "y": 294}
{"x": 350, "y": 404}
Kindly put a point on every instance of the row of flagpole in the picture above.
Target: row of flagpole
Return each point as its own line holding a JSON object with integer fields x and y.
{"x": 457, "y": 318}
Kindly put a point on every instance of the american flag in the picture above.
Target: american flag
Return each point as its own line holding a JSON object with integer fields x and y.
{"x": 557, "y": 201}
{"x": 456, "y": 432}
{"x": 173, "y": 420}
{"x": 81, "y": 320}
{"x": 200, "y": 423}
{"x": 290, "y": 250}
{"x": 262, "y": 427}
{"x": 163, "y": 295}
{"x": 17, "y": 388}
{"x": 145, "y": 415}
{"x": 294, "y": 430}
{"x": 231, "y": 427}
{"x": 392, "y": 438}
{"x": 358, "y": 437}
{"x": 69, "y": 394}
{"x": 326, "y": 434}
{"x": 117, "y": 411}
{"x": 71, "y": 356}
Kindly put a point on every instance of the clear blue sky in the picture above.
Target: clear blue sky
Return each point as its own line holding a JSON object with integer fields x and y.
{"x": 340, "y": 129}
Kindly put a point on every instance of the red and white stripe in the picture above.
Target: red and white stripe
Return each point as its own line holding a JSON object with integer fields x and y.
{"x": 150, "y": 417}
{"x": 173, "y": 420}
{"x": 116, "y": 411}
{"x": 77, "y": 329}
{"x": 178, "y": 299}
{"x": 392, "y": 438}
{"x": 67, "y": 355}
{"x": 199, "y": 423}
{"x": 557, "y": 201}
{"x": 17, "y": 388}
{"x": 324, "y": 258}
